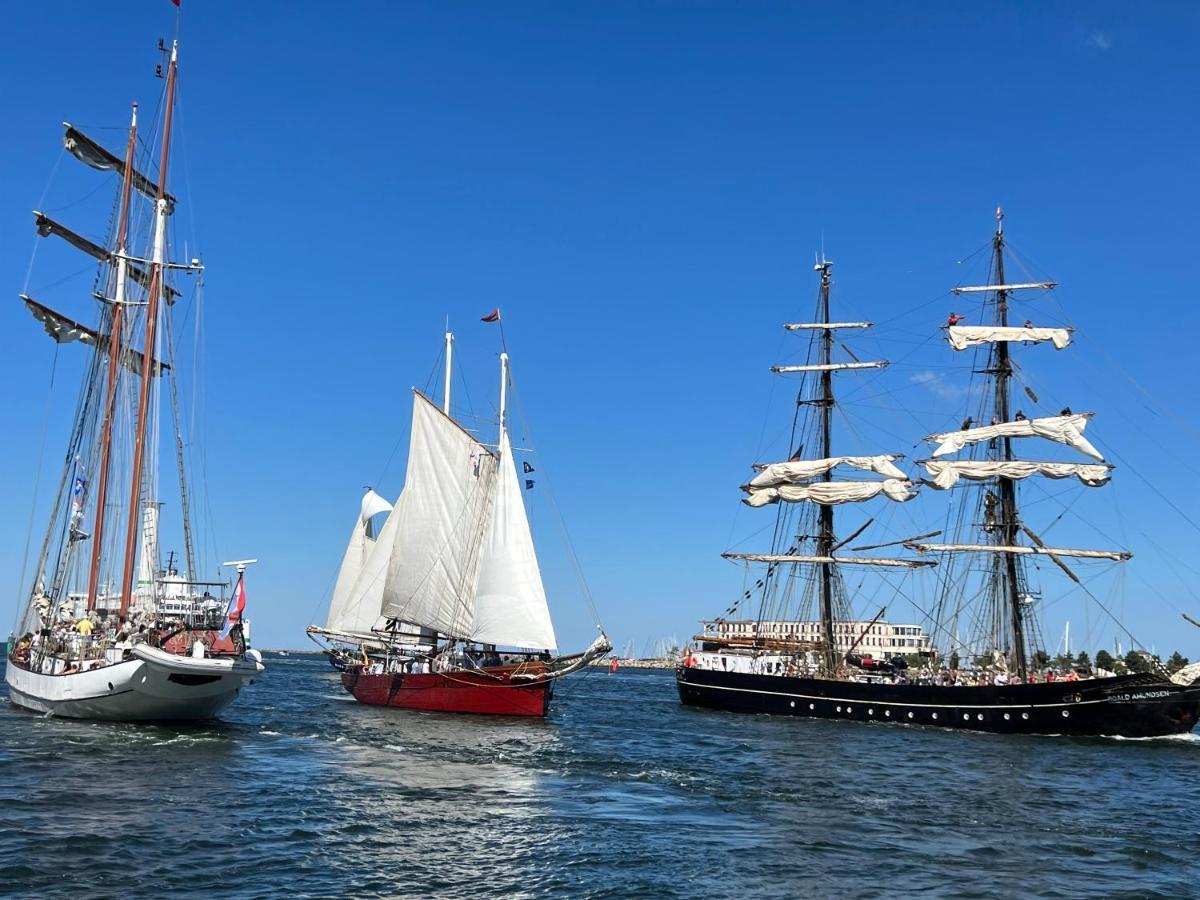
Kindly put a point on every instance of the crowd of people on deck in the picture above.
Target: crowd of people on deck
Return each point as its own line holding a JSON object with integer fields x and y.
{"x": 928, "y": 675}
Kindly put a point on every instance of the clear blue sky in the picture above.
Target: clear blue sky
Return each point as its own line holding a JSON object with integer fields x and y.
{"x": 641, "y": 188}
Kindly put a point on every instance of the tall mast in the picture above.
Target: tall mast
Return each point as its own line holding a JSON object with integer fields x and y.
{"x": 1010, "y": 525}
{"x": 503, "y": 391}
{"x": 449, "y": 358}
{"x": 114, "y": 367}
{"x": 156, "y": 278}
{"x": 825, "y": 536}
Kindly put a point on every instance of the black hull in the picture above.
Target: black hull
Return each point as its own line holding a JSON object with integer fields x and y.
{"x": 1128, "y": 705}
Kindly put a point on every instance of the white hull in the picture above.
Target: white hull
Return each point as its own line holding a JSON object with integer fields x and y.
{"x": 152, "y": 685}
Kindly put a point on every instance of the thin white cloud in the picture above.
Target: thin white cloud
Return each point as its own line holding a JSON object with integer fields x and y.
{"x": 1100, "y": 40}
{"x": 937, "y": 385}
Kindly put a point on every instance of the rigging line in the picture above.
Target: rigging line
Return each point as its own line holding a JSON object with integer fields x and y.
{"x": 37, "y": 480}
{"x": 527, "y": 434}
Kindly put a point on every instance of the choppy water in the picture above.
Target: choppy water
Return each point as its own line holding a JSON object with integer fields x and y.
{"x": 621, "y": 792}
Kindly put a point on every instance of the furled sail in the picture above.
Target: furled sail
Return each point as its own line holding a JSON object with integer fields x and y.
{"x": 439, "y": 525}
{"x": 64, "y": 330}
{"x": 963, "y": 336}
{"x": 831, "y": 493}
{"x": 1115, "y": 555}
{"x": 510, "y": 601}
{"x": 777, "y": 558}
{"x": 946, "y": 473}
{"x": 1060, "y": 429}
{"x": 799, "y": 470}
{"x": 829, "y": 326}
{"x": 47, "y": 226}
{"x": 88, "y": 152}
{"x": 350, "y": 610}
{"x": 830, "y": 367}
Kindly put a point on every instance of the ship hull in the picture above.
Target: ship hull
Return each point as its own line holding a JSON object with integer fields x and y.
{"x": 1127, "y": 706}
{"x": 457, "y": 692}
{"x": 151, "y": 686}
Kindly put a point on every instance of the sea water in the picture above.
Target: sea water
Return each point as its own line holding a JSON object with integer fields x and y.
{"x": 622, "y": 792}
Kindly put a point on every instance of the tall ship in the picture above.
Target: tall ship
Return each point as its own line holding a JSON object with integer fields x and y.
{"x": 106, "y": 629}
{"x": 439, "y": 602}
{"x": 792, "y": 645}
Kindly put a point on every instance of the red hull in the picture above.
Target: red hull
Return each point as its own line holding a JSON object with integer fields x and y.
{"x": 462, "y": 692}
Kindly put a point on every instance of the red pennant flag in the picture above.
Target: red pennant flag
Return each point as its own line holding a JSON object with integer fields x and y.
{"x": 493, "y": 316}
{"x": 176, "y": 2}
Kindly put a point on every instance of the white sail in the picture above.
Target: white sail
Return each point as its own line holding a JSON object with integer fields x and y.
{"x": 510, "y": 601}
{"x": 799, "y": 470}
{"x": 438, "y": 527}
{"x": 946, "y": 473}
{"x": 777, "y": 558}
{"x": 1060, "y": 429}
{"x": 831, "y": 493}
{"x": 963, "y": 336}
{"x": 1115, "y": 555}
{"x": 988, "y": 288}
{"x": 355, "y": 604}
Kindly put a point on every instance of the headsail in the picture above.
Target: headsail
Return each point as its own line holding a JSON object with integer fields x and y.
{"x": 1060, "y": 429}
{"x": 510, "y": 602}
{"x": 353, "y": 610}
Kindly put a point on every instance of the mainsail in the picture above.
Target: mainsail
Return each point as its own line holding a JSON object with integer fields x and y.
{"x": 510, "y": 601}
{"x": 439, "y": 527}
{"x": 355, "y": 609}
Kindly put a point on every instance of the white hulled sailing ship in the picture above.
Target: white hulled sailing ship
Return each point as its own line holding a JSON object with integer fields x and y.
{"x": 106, "y": 631}
{"x": 442, "y": 606}
{"x": 994, "y": 677}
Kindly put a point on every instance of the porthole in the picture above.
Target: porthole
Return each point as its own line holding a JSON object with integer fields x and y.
{"x": 848, "y": 710}
{"x": 888, "y": 713}
{"x": 870, "y": 711}
{"x": 910, "y": 715}
{"x": 979, "y": 716}
{"x": 1007, "y": 717}
{"x": 792, "y": 704}
{"x": 812, "y": 706}
{"x": 839, "y": 709}
{"x": 1066, "y": 714}
{"x": 966, "y": 717}
{"x": 1024, "y": 715}
{"x": 935, "y": 715}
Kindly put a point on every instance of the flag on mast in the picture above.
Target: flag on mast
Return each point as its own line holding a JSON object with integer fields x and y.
{"x": 493, "y": 316}
{"x": 237, "y": 605}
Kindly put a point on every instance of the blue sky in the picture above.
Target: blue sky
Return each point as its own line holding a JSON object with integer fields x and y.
{"x": 640, "y": 187}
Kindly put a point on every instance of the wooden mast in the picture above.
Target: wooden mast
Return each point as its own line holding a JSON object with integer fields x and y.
{"x": 156, "y": 278}
{"x": 825, "y": 537}
{"x": 114, "y": 366}
{"x": 1008, "y": 492}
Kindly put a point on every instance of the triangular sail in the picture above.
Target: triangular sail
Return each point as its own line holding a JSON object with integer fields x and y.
{"x": 510, "y": 602}
{"x": 355, "y": 607}
{"x": 439, "y": 525}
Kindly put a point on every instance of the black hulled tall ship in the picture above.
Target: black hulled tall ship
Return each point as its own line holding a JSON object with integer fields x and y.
{"x": 791, "y": 644}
